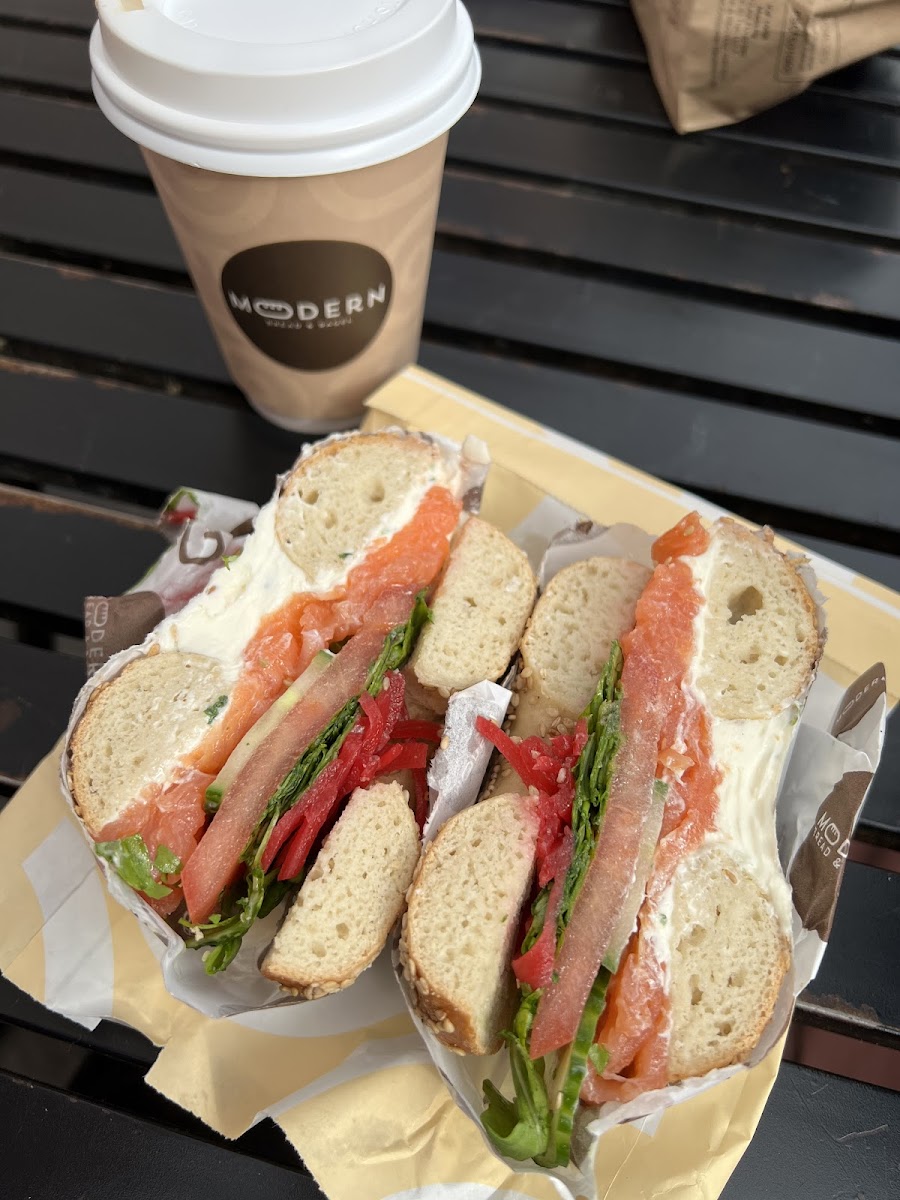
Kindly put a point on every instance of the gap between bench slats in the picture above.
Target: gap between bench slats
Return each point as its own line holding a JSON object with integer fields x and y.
{"x": 816, "y": 121}
{"x": 745, "y": 178}
{"x": 588, "y": 320}
{"x": 124, "y": 1139}
{"x": 591, "y": 229}
{"x": 75, "y": 424}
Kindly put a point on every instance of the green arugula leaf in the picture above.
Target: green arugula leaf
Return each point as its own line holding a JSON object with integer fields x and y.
{"x": 130, "y": 859}
{"x": 228, "y": 559}
{"x": 598, "y": 1057}
{"x": 215, "y": 708}
{"x": 261, "y": 891}
{"x": 519, "y": 1128}
{"x": 166, "y": 862}
{"x": 538, "y": 913}
{"x": 593, "y": 775}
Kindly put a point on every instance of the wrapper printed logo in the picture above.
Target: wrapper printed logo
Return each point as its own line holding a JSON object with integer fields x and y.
{"x": 827, "y": 835}
{"x": 309, "y": 305}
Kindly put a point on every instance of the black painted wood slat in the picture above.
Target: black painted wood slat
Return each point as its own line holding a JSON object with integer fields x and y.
{"x": 62, "y": 555}
{"x": 77, "y": 14}
{"x": 815, "y": 121}
{"x": 74, "y": 424}
{"x": 585, "y": 30}
{"x": 744, "y": 178}
{"x": 55, "y": 60}
{"x": 861, "y": 967}
{"x": 604, "y": 30}
{"x": 86, "y": 217}
{"x": 68, "y": 131}
{"x": 819, "y": 1137}
{"x": 107, "y": 1154}
{"x": 680, "y": 245}
{"x": 163, "y": 328}
{"x": 37, "y": 688}
{"x": 882, "y": 809}
{"x": 611, "y": 32}
{"x": 699, "y": 444}
{"x": 110, "y": 1038}
{"x": 594, "y": 229}
{"x": 642, "y": 328}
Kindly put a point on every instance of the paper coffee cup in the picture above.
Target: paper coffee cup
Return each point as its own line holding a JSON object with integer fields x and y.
{"x": 298, "y": 148}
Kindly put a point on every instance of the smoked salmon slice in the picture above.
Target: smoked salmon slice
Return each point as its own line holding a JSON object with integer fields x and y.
{"x": 289, "y": 639}
{"x": 657, "y": 654}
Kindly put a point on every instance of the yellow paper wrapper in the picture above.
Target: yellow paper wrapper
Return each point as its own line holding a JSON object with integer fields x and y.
{"x": 363, "y": 1105}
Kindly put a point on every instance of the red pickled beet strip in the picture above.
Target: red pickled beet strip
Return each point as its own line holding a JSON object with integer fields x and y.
{"x": 300, "y": 845}
{"x": 392, "y": 703}
{"x": 547, "y": 767}
{"x": 328, "y": 780}
{"x": 364, "y": 756}
{"x": 317, "y": 813}
{"x": 422, "y": 731}
{"x": 535, "y": 966}
{"x": 413, "y": 756}
{"x": 515, "y": 754}
{"x": 375, "y": 724}
{"x": 386, "y": 759}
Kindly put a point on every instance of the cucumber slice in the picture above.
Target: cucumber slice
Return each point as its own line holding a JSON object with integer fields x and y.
{"x": 635, "y": 897}
{"x": 570, "y": 1072}
{"x": 263, "y": 727}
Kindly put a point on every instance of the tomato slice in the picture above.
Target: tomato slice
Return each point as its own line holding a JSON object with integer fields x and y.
{"x": 595, "y": 917}
{"x": 657, "y": 652}
{"x": 635, "y": 1026}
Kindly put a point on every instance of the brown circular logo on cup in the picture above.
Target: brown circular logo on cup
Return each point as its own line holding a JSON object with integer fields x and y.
{"x": 310, "y": 305}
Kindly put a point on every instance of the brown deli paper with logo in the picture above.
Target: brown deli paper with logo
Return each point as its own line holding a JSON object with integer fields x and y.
{"x": 358, "y": 1095}
{"x": 715, "y": 62}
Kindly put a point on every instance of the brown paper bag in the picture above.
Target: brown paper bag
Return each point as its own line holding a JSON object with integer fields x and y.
{"x": 718, "y": 61}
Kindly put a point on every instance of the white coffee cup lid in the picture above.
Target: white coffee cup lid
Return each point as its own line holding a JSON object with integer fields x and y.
{"x": 283, "y": 87}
